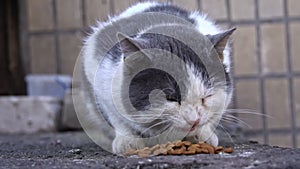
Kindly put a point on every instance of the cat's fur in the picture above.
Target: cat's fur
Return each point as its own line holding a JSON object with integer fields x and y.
{"x": 193, "y": 116}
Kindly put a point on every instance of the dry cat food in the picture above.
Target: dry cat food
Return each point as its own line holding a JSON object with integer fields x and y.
{"x": 179, "y": 148}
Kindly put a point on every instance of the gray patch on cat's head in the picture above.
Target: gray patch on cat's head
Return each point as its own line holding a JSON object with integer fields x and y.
{"x": 147, "y": 81}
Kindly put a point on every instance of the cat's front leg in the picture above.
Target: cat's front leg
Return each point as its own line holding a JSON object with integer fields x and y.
{"x": 122, "y": 143}
{"x": 213, "y": 140}
{"x": 207, "y": 134}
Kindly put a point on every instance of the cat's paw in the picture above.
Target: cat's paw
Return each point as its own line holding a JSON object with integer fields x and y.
{"x": 123, "y": 143}
{"x": 213, "y": 140}
{"x": 208, "y": 136}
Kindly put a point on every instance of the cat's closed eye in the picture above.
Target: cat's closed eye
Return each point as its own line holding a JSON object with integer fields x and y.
{"x": 204, "y": 99}
{"x": 173, "y": 99}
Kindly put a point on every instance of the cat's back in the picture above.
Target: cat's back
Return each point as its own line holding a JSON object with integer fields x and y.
{"x": 201, "y": 22}
{"x": 165, "y": 8}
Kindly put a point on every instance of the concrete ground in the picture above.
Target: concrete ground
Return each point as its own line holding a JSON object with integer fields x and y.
{"x": 75, "y": 150}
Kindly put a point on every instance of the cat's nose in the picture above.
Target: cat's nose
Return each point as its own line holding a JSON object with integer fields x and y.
{"x": 193, "y": 122}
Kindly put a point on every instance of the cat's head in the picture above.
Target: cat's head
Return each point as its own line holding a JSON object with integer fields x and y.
{"x": 154, "y": 88}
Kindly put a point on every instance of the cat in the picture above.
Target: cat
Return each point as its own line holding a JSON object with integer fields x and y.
{"x": 148, "y": 106}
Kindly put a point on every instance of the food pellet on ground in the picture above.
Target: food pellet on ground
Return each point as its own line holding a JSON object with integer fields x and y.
{"x": 228, "y": 150}
{"x": 179, "y": 148}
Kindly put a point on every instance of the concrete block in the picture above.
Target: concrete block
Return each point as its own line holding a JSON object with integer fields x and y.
{"x": 69, "y": 118}
{"x": 48, "y": 85}
{"x": 32, "y": 114}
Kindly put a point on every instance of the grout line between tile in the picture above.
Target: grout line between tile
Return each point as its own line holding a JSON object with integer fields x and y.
{"x": 83, "y": 13}
{"x": 261, "y": 21}
{"x": 199, "y": 3}
{"x": 229, "y": 20}
{"x": 57, "y": 48}
{"x": 269, "y": 76}
{"x": 112, "y": 7}
{"x": 290, "y": 75}
{"x": 260, "y": 77}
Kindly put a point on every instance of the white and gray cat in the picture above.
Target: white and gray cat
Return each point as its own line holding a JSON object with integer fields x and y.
{"x": 190, "y": 110}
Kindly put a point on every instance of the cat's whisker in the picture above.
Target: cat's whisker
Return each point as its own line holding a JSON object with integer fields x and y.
{"x": 154, "y": 125}
{"x": 226, "y": 132}
{"x": 147, "y": 117}
{"x": 164, "y": 129}
{"x": 232, "y": 119}
{"x": 169, "y": 131}
{"x": 247, "y": 111}
{"x": 146, "y": 114}
{"x": 235, "y": 122}
{"x": 236, "y": 119}
{"x": 176, "y": 120}
{"x": 150, "y": 117}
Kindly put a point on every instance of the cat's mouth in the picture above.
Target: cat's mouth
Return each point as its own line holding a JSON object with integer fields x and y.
{"x": 195, "y": 124}
{"x": 191, "y": 128}
{"x": 188, "y": 129}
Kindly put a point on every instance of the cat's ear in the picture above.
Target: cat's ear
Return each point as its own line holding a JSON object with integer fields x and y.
{"x": 133, "y": 55}
{"x": 128, "y": 45}
{"x": 220, "y": 40}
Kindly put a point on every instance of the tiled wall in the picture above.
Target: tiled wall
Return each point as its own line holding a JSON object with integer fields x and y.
{"x": 266, "y": 61}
